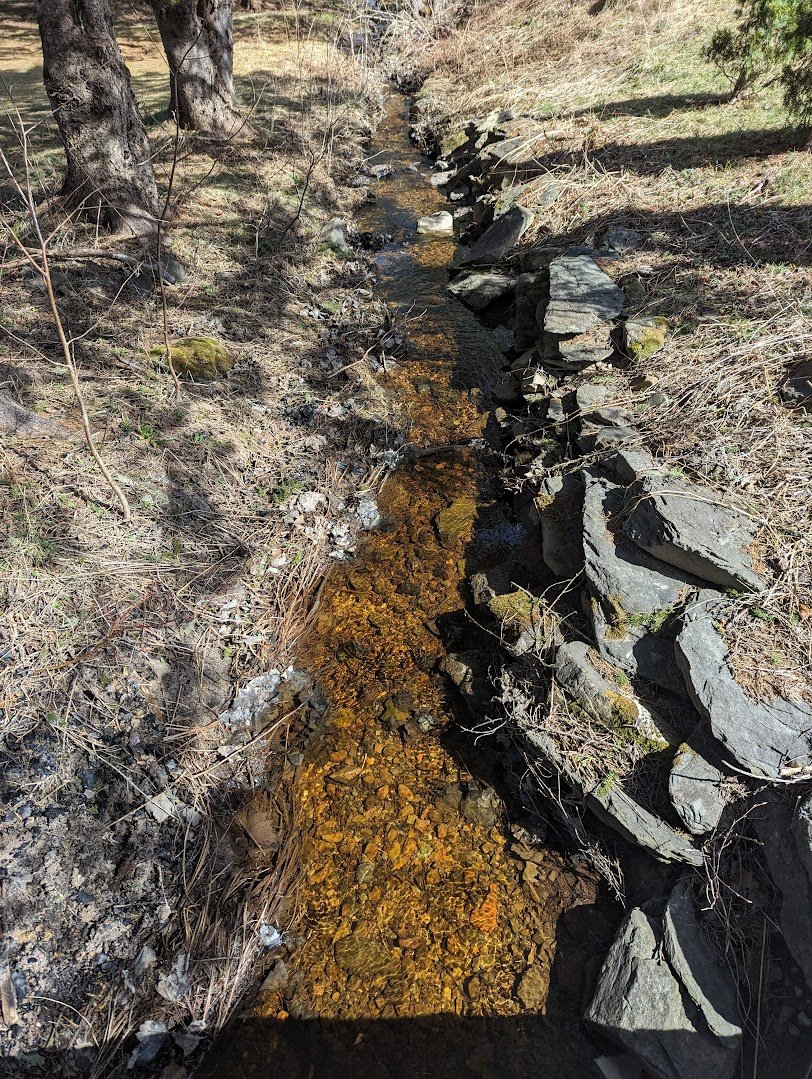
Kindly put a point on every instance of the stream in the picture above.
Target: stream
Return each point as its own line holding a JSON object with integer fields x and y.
{"x": 433, "y": 938}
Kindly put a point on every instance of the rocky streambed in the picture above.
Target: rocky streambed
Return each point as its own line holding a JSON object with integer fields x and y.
{"x": 534, "y": 554}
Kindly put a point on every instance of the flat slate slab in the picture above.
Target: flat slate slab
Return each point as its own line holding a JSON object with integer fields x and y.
{"x": 499, "y": 239}
{"x": 766, "y": 739}
{"x": 685, "y": 526}
{"x": 613, "y": 805}
{"x": 581, "y": 296}
{"x": 709, "y": 985}
{"x": 633, "y": 594}
{"x": 479, "y": 290}
{"x": 695, "y": 788}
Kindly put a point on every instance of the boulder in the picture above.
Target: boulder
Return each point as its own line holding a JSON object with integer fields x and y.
{"x": 642, "y": 337}
{"x": 766, "y": 739}
{"x": 617, "y": 808}
{"x": 787, "y": 842}
{"x": 498, "y": 240}
{"x": 531, "y": 291}
{"x": 578, "y": 676}
{"x": 695, "y": 788}
{"x": 595, "y": 438}
{"x": 640, "y": 1003}
{"x": 607, "y": 799}
{"x": 681, "y": 524}
{"x": 582, "y": 296}
{"x": 479, "y": 290}
{"x": 334, "y": 234}
{"x": 633, "y": 595}
{"x": 593, "y": 401}
{"x": 440, "y": 179}
{"x": 439, "y": 224}
{"x": 632, "y": 462}
{"x": 560, "y": 509}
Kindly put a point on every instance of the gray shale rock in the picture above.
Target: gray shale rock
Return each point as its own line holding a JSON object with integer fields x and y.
{"x": 499, "y": 239}
{"x": 632, "y": 593}
{"x": 787, "y": 842}
{"x": 695, "y": 788}
{"x": 560, "y": 509}
{"x": 609, "y": 802}
{"x": 582, "y": 296}
{"x": 764, "y": 738}
{"x": 679, "y": 524}
{"x": 616, "y": 807}
{"x": 631, "y": 463}
{"x": 19, "y": 421}
{"x": 577, "y": 351}
{"x": 709, "y": 985}
{"x": 479, "y": 290}
{"x": 797, "y": 389}
{"x": 640, "y": 1004}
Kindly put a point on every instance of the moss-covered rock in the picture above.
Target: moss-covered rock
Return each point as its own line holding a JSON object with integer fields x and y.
{"x": 645, "y": 336}
{"x": 454, "y": 140}
{"x": 196, "y": 357}
{"x": 514, "y": 610}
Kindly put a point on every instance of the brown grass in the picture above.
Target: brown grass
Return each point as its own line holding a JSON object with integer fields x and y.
{"x": 619, "y": 108}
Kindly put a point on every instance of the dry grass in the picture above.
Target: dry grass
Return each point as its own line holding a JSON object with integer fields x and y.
{"x": 619, "y": 109}
{"x": 121, "y": 642}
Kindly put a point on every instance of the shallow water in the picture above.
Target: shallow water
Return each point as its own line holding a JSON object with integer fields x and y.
{"x": 419, "y": 919}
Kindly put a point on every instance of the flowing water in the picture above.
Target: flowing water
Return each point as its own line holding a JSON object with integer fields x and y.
{"x": 431, "y": 942}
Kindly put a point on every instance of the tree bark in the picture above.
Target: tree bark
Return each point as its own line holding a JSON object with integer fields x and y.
{"x": 106, "y": 144}
{"x": 198, "y": 39}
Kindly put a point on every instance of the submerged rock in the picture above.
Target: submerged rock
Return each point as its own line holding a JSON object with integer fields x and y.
{"x": 500, "y": 238}
{"x": 765, "y": 738}
{"x": 455, "y": 522}
{"x": 679, "y": 524}
{"x": 439, "y": 224}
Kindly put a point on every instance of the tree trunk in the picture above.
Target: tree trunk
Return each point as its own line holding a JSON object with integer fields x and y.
{"x": 106, "y": 145}
{"x": 197, "y": 36}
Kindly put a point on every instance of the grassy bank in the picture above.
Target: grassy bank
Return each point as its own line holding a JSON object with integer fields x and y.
{"x": 133, "y": 815}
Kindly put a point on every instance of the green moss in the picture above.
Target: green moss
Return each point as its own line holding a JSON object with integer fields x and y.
{"x": 607, "y": 784}
{"x": 515, "y": 609}
{"x": 454, "y": 140}
{"x": 616, "y": 618}
{"x": 197, "y": 357}
{"x": 644, "y": 337}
